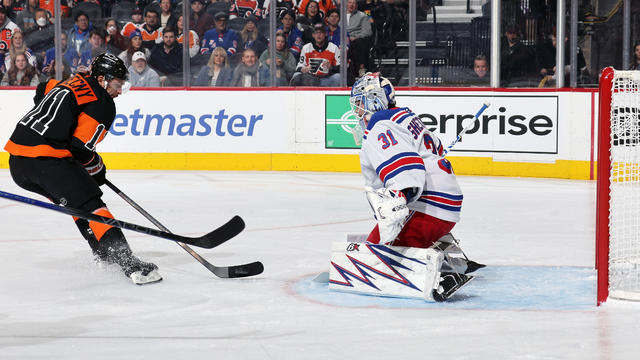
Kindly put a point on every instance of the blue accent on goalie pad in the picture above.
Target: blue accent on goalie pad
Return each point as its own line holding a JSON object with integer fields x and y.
{"x": 494, "y": 288}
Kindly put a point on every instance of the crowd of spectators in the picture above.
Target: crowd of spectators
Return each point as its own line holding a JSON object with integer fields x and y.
{"x": 229, "y": 44}
{"x": 148, "y": 35}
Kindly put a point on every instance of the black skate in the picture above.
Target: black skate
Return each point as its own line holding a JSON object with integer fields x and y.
{"x": 450, "y": 283}
{"x": 114, "y": 249}
{"x": 473, "y": 266}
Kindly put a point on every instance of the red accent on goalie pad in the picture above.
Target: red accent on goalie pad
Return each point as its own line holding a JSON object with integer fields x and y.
{"x": 421, "y": 231}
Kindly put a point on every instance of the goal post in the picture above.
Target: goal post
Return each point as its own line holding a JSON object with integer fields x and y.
{"x": 618, "y": 186}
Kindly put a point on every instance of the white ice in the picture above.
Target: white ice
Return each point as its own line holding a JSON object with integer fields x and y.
{"x": 56, "y": 303}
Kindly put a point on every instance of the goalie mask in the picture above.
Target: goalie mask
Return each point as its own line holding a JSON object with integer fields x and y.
{"x": 371, "y": 93}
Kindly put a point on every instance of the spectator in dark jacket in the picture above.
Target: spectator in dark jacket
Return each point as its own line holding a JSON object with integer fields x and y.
{"x": 200, "y": 20}
{"x": 514, "y": 58}
{"x": 166, "y": 59}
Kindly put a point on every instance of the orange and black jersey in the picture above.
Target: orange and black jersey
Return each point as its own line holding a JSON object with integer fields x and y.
{"x": 69, "y": 121}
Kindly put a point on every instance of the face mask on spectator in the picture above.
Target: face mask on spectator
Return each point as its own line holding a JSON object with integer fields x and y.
{"x": 41, "y": 21}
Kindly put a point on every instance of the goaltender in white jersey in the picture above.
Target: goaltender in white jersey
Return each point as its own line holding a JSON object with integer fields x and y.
{"x": 402, "y": 162}
{"x": 416, "y": 201}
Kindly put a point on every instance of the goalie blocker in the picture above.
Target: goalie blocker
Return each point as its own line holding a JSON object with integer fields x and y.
{"x": 432, "y": 274}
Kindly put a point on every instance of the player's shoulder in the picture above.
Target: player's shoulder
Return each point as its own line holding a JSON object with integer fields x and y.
{"x": 396, "y": 115}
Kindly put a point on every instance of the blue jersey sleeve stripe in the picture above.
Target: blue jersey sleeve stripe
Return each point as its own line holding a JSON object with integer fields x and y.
{"x": 442, "y": 206}
{"x": 402, "y": 118}
{"x": 444, "y": 195}
{"x": 392, "y": 174}
{"x": 394, "y": 158}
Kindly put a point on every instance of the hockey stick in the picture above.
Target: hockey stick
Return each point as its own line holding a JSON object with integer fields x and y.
{"x": 485, "y": 105}
{"x": 244, "y": 270}
{"x": 216, "y": 237}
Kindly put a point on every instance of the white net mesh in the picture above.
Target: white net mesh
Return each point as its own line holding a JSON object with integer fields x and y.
{"x": 624, "y": 220}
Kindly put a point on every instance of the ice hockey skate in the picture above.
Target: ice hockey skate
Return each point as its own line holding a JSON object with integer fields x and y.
{"x": 113, "y": 249}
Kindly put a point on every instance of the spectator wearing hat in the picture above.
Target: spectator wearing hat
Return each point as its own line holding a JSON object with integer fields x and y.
{"x": 141, "y": 75}
{"x": 245, "y": 8}
{"x": 220, "y": 36}
{"x": 136, "y": 16}
{"x": 293, "y": 34}
{"x": 78, "y": 35}
{"x": 319, "y": 62}
{"x": 251, "y": 38}
{"x": 166, "y": 59}
{"x": 135, "y": 44}
{"x": 200, "y": 20}
{"x": 514, "y": 57}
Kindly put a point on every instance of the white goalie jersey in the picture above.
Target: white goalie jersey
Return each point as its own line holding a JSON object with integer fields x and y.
{"x": 398, "y": 152}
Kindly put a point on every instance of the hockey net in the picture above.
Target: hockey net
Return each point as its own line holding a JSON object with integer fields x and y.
{"x": 618, "y": 191}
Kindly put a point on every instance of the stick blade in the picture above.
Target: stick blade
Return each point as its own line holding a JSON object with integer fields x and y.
{"x": 220, "y": 235}
{"x": 240, "y": 271}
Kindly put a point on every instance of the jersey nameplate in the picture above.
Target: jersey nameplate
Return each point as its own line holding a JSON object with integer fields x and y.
{"x": 81, "y": 89}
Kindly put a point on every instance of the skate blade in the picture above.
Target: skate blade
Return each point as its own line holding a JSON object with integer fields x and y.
{"x": 139, "y": 279}
{"x": 448, "y": 294}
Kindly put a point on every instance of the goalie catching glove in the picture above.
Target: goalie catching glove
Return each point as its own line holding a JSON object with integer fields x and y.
{"x": 96, "y": 169}
{"x": 390, "y": 210}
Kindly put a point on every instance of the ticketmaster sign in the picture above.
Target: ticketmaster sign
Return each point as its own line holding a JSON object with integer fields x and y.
{"x": 513, "y": 124}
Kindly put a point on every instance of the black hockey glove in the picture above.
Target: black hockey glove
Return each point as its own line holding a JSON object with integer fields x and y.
{"x": 96, "y": 169}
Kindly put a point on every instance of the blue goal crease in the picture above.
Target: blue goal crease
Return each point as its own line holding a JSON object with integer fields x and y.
{"x": 494, "y": 288}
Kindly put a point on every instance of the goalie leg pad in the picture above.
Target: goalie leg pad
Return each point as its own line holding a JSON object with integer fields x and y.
{"x": 384, "y": 270}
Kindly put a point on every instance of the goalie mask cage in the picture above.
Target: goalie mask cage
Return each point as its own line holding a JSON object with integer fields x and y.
{"x": 618, "y": 188}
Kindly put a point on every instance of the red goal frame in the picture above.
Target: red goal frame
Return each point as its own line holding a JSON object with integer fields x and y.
{"x": 603, "y": 184}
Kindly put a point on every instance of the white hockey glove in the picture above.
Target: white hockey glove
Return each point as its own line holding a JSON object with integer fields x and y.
{"x": 390, "y": 209}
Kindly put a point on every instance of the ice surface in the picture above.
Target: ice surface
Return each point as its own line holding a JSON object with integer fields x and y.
{"x": 536, "y": 300}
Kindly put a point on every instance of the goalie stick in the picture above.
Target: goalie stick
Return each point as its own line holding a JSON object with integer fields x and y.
{"x": 216, "y": 237}
{"x": 235, "y": 271}
{"x": 485, "y": 105}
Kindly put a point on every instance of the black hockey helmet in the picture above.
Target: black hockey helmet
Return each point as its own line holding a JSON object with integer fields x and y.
{"x": 110, "y": 66}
